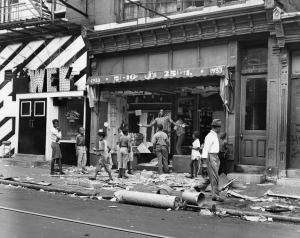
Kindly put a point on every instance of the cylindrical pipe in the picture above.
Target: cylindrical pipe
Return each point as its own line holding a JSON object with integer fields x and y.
{"x": 192, "y": 198}
{"x": 164, "y": 189}
{"x": 147, "y": 199}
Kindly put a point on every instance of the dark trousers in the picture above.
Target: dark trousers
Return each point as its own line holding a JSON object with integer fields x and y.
{"x": 223, "y": 163}
{"x": 162, "y": 156}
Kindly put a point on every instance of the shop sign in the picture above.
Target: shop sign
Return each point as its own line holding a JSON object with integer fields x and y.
{"x": 168, "y": 74}
{"x": 57, "y": 79}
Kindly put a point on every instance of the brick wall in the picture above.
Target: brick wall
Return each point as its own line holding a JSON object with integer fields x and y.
{"x": 76, "y": 17}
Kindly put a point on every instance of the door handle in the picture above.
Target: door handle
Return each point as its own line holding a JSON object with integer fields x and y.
{"x": 241, "y": 136}
{"x": 32, "y": 123}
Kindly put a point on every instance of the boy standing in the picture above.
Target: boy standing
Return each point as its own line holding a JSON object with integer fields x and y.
{"x": 81, "y": 151}
{"x": 103, "y": 153}
{"x": 125, "y": 149}
{"x": 160, "y": 146}
{"x": 56, "y": 153}
{"x": 196, "y": 156}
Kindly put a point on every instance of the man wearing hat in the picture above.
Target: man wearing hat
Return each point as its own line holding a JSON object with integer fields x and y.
{"x": 210, "y": 153}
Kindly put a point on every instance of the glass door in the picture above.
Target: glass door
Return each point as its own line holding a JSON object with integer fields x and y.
{"x": 253, "y": 120}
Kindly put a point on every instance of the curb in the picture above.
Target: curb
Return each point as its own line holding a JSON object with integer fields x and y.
{"x": 45, "y": 188}
{"x": 233, "y": 212}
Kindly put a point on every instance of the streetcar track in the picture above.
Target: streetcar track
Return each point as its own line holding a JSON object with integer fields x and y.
{"x": 85, "y": 223}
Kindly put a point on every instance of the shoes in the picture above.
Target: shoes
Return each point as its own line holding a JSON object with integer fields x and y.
{"x": 62, "y": 173}
{"x": 191, "y": 176}
{"x": 85, "y": 172}
{"x": 129, "y": 172}
{"x": 217, "y": 199}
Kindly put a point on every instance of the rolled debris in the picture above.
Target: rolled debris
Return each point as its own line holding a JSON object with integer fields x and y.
{"x": 271, "y": 194}
{"x": 164, "y": 189}
{"x": 147, "y": 199}
{"x": 192, "y": 198}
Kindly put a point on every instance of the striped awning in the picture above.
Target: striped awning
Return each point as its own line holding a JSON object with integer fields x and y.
{"x": 151, "y": 75}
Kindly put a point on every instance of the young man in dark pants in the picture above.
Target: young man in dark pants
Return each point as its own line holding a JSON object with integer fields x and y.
{"x": 56, "y": 153}
{"x": 160, "y": 146}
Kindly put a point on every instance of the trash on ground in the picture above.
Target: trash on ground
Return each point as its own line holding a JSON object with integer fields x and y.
{"x": 271, "y": 194}
{"x": 112, "y": 206}
{"x": 255, "y": 218}
{"x": 164, "y": 189}
{"x": 205, "y": 212}
{"x": 234, "y": 194}
{"x": 169, "y": 209}
{"x": 193, "y": 198}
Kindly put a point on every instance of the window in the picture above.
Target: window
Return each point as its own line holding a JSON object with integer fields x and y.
{"x": 255, "y": 56}
{"x": 130, "y": 10}
{"x": 26, "y": 109}
{"x": 71, "y": 113}
{"x": 256, "y": 104}
{"x": 39, "y": 108}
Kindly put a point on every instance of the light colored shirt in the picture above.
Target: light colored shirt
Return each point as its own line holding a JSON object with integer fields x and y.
{"x": 211, "y": 144}
{"x": 103, "y": 147}
{"x": 55, "y": 134}
{"x": 160, "y": 138}
{"x": 196, "y": 144}
{"x": 179, "y": 130}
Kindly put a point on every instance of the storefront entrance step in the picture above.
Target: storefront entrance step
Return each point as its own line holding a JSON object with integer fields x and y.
{"x": 293, "y": 173}
{"x": 181, "y": 163}
{"x": 29, "y": 157}
{"x": 23, "y": 162}
{"x": 248, "y": 178}
{"x": 289, "y": 182}
{"x": 249, "y": 169}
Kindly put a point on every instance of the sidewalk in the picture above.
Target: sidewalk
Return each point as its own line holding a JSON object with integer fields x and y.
{"x": 149, "y": 182}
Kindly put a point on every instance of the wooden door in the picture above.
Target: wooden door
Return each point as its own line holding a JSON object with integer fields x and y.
{"x": 32, "y": 127}
{"x": 253, "y": 120}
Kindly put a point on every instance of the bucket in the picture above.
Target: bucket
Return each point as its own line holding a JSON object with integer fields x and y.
{"x": 196, "y": 199}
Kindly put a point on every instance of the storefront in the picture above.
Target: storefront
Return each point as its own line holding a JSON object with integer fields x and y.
{"x": 133, "y": 88}
{"x": 49, "y": 85}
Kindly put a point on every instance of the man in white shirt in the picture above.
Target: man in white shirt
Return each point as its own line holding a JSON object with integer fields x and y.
{"x": 56, "y": 153}
{"x": 210, "y": 153}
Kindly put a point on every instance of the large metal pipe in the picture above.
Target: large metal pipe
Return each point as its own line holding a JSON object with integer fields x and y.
{"x": 192, "y": 198}
{"x": 147, "y": 199}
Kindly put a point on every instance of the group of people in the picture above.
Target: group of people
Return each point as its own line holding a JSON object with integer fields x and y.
{"x": 213, "y": 150}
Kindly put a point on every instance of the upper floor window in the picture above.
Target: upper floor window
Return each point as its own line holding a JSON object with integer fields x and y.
{"x": 130, "y": 10}
{"x": 255, "y": 56}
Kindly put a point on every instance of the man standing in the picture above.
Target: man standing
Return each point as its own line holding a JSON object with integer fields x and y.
{"x": 160, "y": 146}
{"x": 81, "y": 151}
{"x": 210, "y": 153}
{"x": 163, "y": 120}
{"x": 56, "y": 153}
{"x": 180, "y": 132}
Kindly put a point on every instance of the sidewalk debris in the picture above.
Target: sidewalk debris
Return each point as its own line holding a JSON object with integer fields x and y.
{"x": 255, "y": 218}
{"x": 234, "y": 194}
{"x": 271, "y": 194}
{"x": 205, "y": 212}
{"x": 193, "y": 198}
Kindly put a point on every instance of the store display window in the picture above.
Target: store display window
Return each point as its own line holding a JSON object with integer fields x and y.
{"x": 71, "y": 118}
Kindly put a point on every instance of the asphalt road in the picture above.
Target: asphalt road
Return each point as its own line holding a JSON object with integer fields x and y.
{"x": 143, "y": 219}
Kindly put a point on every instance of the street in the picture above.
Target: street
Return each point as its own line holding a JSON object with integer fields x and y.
{"x": 55, "y": 215}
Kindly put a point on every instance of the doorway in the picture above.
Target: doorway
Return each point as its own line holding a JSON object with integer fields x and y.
{"x": 186, "y": 107}
{"x": 32, "y": 126}
{"x": 253, "y": 120}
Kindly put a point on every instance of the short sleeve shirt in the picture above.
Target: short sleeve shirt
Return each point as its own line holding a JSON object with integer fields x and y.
{"x": 125, "y": 141}
{"x": 80, "y": 140}
{"x": 160, "y": 138}
{"x": 164, "y": 121}
{"x": 196, "y": 144}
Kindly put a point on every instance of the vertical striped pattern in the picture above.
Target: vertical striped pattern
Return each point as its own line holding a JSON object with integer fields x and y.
{"x": 59, "y": 52}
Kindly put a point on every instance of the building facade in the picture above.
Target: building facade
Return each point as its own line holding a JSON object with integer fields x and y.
{"x": 42, "y": 77}
{"x": 204, "y": 59}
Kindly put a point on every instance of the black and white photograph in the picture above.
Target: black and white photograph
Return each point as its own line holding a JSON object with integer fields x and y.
{"x": 150, "y": 118}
